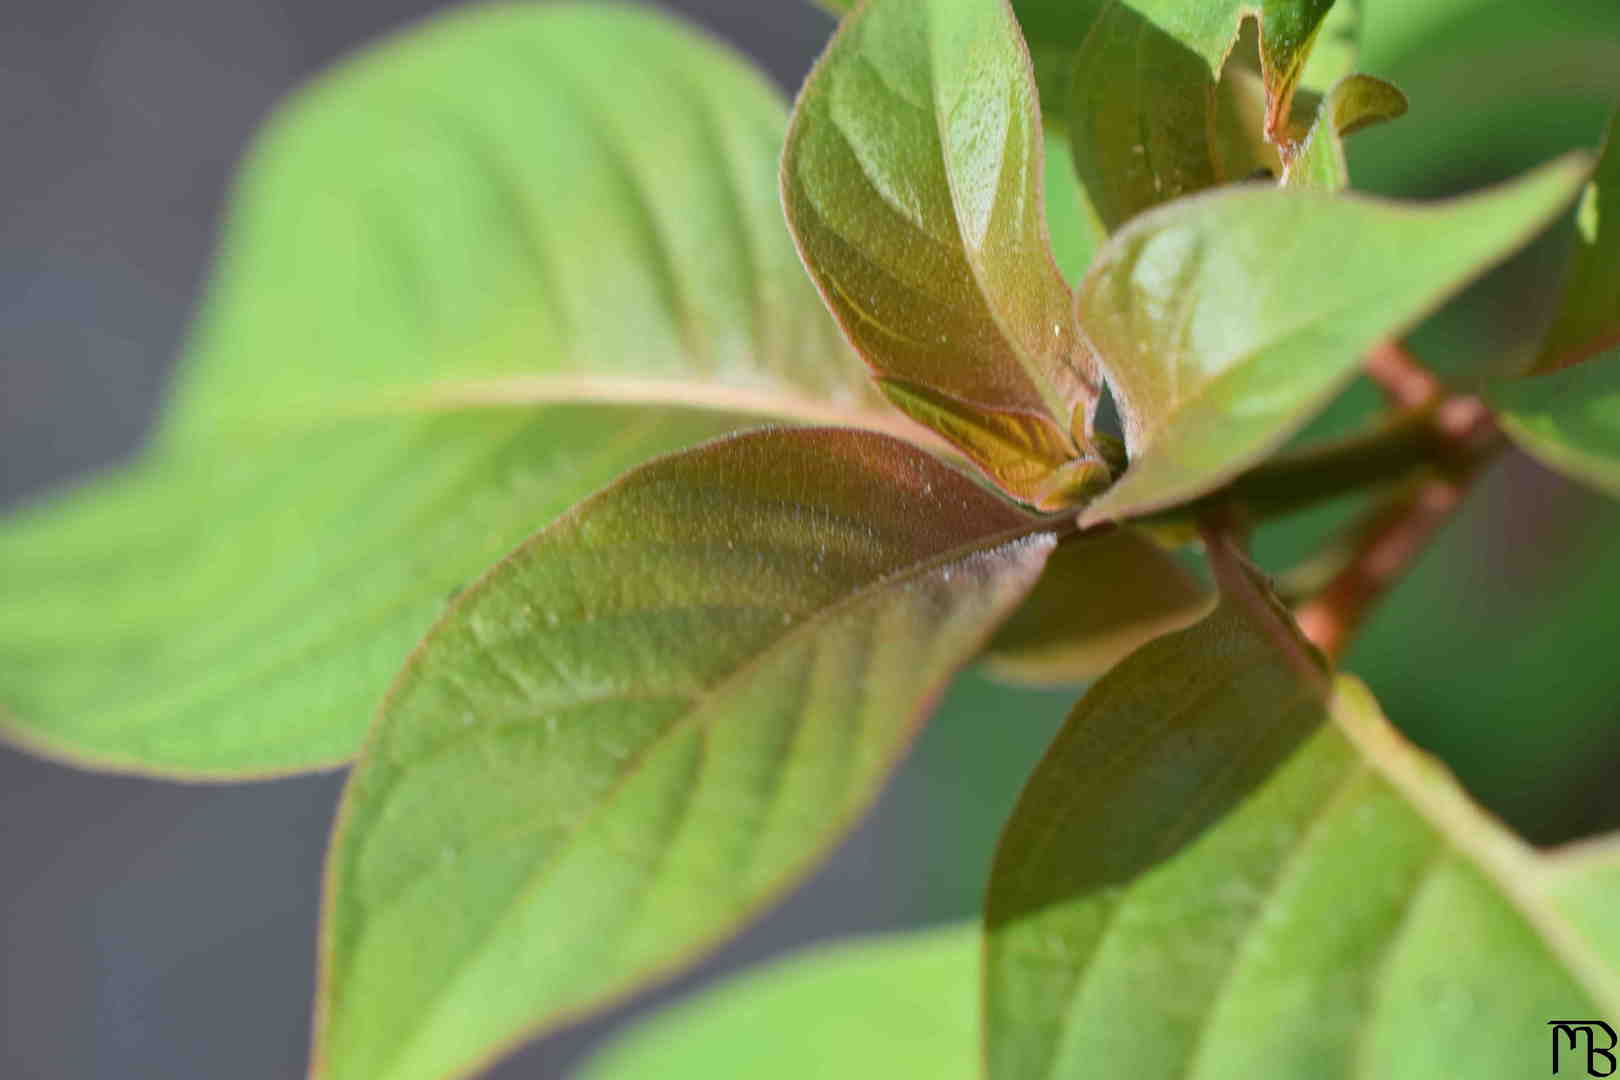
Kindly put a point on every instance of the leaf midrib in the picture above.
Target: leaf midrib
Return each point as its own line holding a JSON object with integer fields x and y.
{"x": 694, "y": 715}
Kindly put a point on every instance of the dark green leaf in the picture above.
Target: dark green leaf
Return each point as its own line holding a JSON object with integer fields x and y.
{"x": 1226, "y": 321}
{"x": 1588, "y": 320}
{"x": 654, "y": 716}
{"x": 1099, "y": 599}
{"x": 476, "y": 213}
{"x": 903, "y": 1007}
{"x": 1331, "y": 907}
{"x": 912, "y": 180}
{"x": 1569, "y": 420}
{"x": 1354, "y": 103}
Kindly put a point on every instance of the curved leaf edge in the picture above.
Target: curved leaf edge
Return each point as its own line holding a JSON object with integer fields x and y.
{"x": 1575, "y": 163}
{"x": 1038, "y": 530}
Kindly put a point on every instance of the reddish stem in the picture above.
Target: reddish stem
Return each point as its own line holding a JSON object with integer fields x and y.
{"x": 1398, "y": 532}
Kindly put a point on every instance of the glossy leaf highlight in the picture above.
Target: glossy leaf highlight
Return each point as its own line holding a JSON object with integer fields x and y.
{"x": 1224, "y": 322}
{"x": 465, "y": 219}
{"x": 912, "y": 180}
{"x": 656, "y": 716}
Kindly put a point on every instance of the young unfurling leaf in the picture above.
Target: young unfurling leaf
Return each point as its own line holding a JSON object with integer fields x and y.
{"x": 912, "y": 180}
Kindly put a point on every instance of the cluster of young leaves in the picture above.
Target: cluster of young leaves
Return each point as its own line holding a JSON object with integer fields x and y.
{"x": 480, "y": 273}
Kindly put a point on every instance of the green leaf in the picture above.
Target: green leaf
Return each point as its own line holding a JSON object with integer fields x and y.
{"x": 1100, "y": 598}
{"x": 1588, "y": 320}
{"x": 656, "y": 716}
{"x": 899, "y": 1007}
{"x": 1139, "y": 111}
{"x": 1355, "y": 102}
{"x": 1077, "y": 232}
{"x": 1336, "y": 50}
{"x": 480, "y": 210}
{"x": 1226, "y": 321}
{"x": 472, "y": 214}
{"x": 240, "y": 615}
{"x": 912, "y": 180}
{"x": 1134, "y": 83}
{"x": 1568, "y": 420}
{"x": 1158, "y": 752}
{"x": 1255, "y": 902}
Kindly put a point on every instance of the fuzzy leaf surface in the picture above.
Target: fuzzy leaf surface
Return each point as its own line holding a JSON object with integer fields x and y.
{"x": 1280, "y": 886}
{"x": 468, "y": 279}
{"x": 656, "y": 715}
{"x": 901, "y": 1006}
{"x": 1568, "y": 420}
{"x": 1226, "y": 321}
{"x": 912, "y": 180}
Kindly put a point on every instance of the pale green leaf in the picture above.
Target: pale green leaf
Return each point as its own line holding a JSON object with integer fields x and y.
{"x": 476, "y": 213}
{"x": 901, "y": 1007}
{"x": 1354, "y": 103}
{"x": 240, "y": 615}
{"x": 1225, "y": 321}
{"x": 655, "y": 716}
{"x": 483, "y": 208}
{"x": 1100, "y": 598}
{"x": 1588, "y": 319}
{"x": 913, "y": 182}
{"x": 1256, "y": 900}
{"x": 1568, "y": 420}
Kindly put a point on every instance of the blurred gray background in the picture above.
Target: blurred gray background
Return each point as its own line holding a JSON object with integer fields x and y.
{"x": 162, "y": 931}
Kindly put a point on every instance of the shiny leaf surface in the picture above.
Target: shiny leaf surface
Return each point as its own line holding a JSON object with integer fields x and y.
{"x": 656, "y": 715}
{"x": 912, "y": 180}
{"x": 1226, "y": 321}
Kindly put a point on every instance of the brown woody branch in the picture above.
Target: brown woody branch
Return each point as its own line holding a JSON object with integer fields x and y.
{"x": 1391, "y": 540}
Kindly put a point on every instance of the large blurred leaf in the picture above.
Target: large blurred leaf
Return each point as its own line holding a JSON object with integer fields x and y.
{"x": 912, "y": 180}
{"x": 1588, "y": 320}
{"x": 484, "y": 209}
{"x": 1099, "y": 598}
{"x": 1350, "y": 914}
{"x": 654, "y": 716}
{"x": 473, "y": 214}
{"x": 1569, "y": 420}
{"x": 1226, "y": 321}
{"x": 903, "y": 1007}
